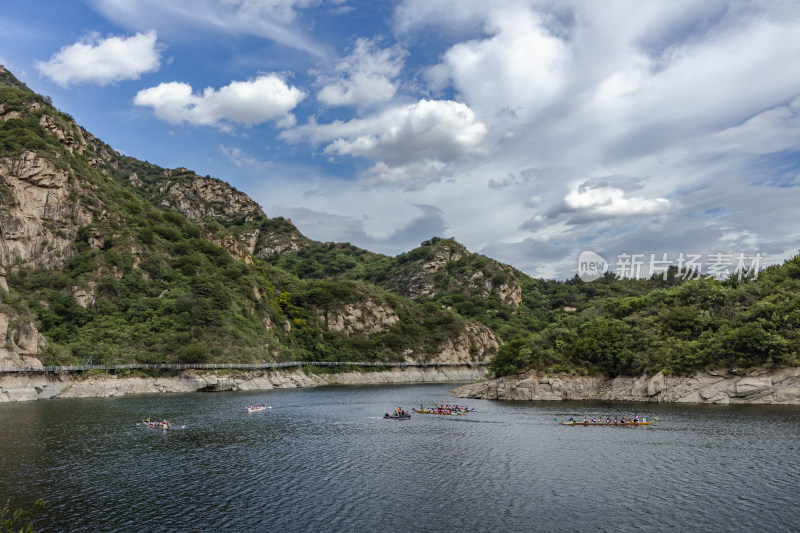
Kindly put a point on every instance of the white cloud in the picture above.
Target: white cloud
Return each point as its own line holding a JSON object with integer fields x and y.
{"x": 546, "y": 127}
{"x": 773, "y": 130}
{"x": 103, "y": 61}
{"x": 612, "y": 126}
{"x": 520, "y": 67}
{"x": 411, "y": 144}
{"x": 238, "y": 157}
{"x": 262, "y": 99}
{"x": 411, "y": 176}
{"x": 608, "y": 201}
{"x": 366, "y": 76}
{"x": 440, "y": 130}
{"x": 271, "y": 19}
{"x": 448, "y": 15}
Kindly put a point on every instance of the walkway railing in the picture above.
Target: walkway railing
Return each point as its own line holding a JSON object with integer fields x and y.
{"x": 221, "y": 366}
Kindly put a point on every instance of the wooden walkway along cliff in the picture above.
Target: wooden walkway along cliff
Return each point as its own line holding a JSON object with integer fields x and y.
{"x": 236, "y": 366}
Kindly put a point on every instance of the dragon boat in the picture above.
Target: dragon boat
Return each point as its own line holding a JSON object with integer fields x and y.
{"x": 156, "y": 425}
{"x": 452, "y": 412}
{"x": 626, "y": 423}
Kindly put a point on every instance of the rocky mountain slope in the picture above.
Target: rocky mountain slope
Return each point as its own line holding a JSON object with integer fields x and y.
{"x": 108, "y": 257}
{"x": 111, "y": 258}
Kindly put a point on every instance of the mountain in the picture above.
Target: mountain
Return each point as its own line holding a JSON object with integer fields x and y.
{"x": 118, "y": 260}
{"x": 107, "y": 257}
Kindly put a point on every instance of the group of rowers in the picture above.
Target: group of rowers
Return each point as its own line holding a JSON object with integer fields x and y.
{"x": 615, "y": 420}
{"x": 256, "y": 407}
{"x": 443, "y": 409}
{"x": 164, "y": 424}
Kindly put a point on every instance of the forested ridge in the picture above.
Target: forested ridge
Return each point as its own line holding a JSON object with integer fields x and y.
{"x": 149, "y": 279}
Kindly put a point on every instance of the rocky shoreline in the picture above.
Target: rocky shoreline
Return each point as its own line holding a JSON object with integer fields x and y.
{"x": 781, "y": 387}
{"x": 40, "y": 386}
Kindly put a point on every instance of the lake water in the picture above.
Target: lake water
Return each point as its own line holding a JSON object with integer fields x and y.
{"x": 325, "y": 460}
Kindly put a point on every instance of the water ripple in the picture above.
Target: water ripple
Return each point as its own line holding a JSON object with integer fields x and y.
{"x": 326, "y": 460}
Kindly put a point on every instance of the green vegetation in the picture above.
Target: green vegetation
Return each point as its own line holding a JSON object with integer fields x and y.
{"x": 690, "y": 326}
{"x": 141, "y": 282}
{"x": 611, "y": 326}
{"x": 19, "y": 520}
{"x": 161, "y": 289}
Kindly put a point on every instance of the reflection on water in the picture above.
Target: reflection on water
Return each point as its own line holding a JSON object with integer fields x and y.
{"x": 326, "y": 460}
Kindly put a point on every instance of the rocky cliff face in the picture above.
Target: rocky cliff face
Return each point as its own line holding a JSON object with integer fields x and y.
{"x": 421, "y": 281}
{"x": 509, "y": 291}
{"x": 719, "y": 387}
{"x": 280, "y": 237}
{"x": 363, "y": 317}
{"x": 476, "y": 342}
{"x": 20, "y": 342}
{"x": 41, "y": 211}
{"x": 484, "y": 277}
{"x": 201, "y": 199}
{"x": 63, "y": 192}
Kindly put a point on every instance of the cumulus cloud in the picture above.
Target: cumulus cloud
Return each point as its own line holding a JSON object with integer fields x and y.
{"x": 429, "y": 129}
{"x": 520, "y": 67}
{"x": 411, "y": 144}
{"x": 606, "y": 201}
{"x": 103, "y": 60}
{"x": 366, "y": 76}
{"x": 534, "y": 111}
{"x": 695, "y": 100}
{"x": 250, "y": 102}
{"x": 411, "y": 176}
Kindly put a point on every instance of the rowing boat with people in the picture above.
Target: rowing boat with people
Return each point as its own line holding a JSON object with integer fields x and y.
{"x": 152, "y": 424}
{"x": 251, "y": 408}
{"x": 612, "y": 423}
{"x": 446, "y": 410}
{"x": 430, "y": 412}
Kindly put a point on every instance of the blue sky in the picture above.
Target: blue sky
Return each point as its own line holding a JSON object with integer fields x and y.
{"x": 530, "y": 130}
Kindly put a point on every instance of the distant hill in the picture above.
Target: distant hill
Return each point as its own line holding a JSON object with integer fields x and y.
{"x": 109, "y": 257}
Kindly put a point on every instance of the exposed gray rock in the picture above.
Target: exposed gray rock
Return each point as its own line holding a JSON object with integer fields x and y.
{"x": 27, "y": 387}
{"x": 38, "y": 217}
{"x": 366, "y": 317}
{"x": 719, "y": 387}
{"x": 20, "y": 341}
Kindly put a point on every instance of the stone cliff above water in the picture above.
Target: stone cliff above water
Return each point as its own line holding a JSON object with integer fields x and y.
{"x": 720, "y": 387}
